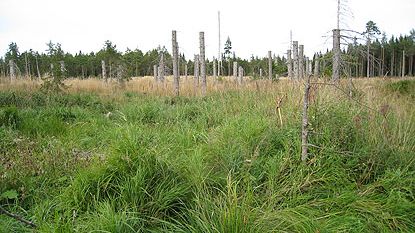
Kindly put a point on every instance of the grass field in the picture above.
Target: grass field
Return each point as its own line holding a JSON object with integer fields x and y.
{"x": 98, "y": 158}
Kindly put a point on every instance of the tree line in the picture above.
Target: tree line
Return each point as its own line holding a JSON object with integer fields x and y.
{"x": 373, "y": 57}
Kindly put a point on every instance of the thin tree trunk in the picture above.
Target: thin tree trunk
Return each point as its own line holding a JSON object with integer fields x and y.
{"x": 336, "y": 55}
{"x": 196, "y": 73}
{"x": 235, "y": 70}
{"x": 368, "y": 59}
{"x": 155, "y": 73}
{"x": 175, "y": 64}
{"x": 37, "y": 68}
{"x": 393, "y": 64}
{"x": 301, "y": 61}
{"x": 403, "y": 63}
{"x": 289, "y": 64}
{"x": 203, "y": 62}
{"x": 269, "y": 65}
{"x": 12, "y": 70}
{"x": 295, "y": 57}
{"x": 316, "y": 67}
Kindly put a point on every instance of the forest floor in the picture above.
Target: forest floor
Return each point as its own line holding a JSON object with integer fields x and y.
{"x": 100, "y": 158}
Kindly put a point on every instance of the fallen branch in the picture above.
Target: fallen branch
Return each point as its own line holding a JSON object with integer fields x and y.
{"x": 17, "y": 217}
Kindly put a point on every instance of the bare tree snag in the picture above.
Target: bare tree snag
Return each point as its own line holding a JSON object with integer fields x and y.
{"x": 403, "y": 63}
{"x": 161, "y": 68}
{"x": 317, "y": 67}
{"x": 269, "y": 65}
{"x": 260, "y": 73}
{"x": 175, "y": 64}
{"x": 301, "y": 70}
{"x": 12, "y": 70}
{"x": 240, "y": 75}
{"x": 185, "y": 71}
{"x": 104, "y": 73}
{"x": 196, "y": 73}
{"x": 295, "y": 57}
{"x": 289, "y": 64}
{"x": 203, "y": 62}
{"x": 336, "y": 55}
{"x": 304, "y": 128}
{"x": 307, "y": 62}
{"x": 215, "y": 75}
{"x": 235, "y": 70}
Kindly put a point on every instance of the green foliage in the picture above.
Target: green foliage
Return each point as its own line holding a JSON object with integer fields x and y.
{"x": 222, "y": 163}
{"x": 9, "y": 117}
{"x": 403, "y": 87}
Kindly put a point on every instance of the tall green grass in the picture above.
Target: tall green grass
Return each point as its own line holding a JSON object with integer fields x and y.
{"x": 221, "y": 163}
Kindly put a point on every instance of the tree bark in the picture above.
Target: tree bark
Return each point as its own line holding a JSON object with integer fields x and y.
{"x": 295, "y": 57}
{"x": 403, "y": 63}
{"x": 301, "y": 61}
{"x": 203, "y": 62}
{"x": 235, "y": 70}
{"x": 336, "y": 55}
{"x": 269, "y": 65}
{"x": 175, "y": 64}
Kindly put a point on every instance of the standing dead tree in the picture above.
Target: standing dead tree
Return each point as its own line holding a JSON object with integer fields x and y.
{"x": 12, "y": 70}
{"x": 215, "y": 75}
{"x": 289, "y": 64}
{"x": 240, "y": 75}
{"x": 316, "y": 66}
{"x": 269, "y": 65}
{"x": 295, "y": 57}
{"x": 235, "y": 70}
{"x": 175, "y": 63}
{"x": 161, "y": 68}
{"x": 301, "y": 72}
{"x": 203, "y": 62}
{"x": 336, "y": 54}
{"x": 104, "y": 73}
{"x": 196, "y": 73}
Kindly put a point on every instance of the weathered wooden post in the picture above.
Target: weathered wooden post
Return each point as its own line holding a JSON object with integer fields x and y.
{"x": 12, "y": 70}
{"x": 203, "y": 62}
{"x": 175, "y": 64}
{"x": 235, "y": 70}
{"x": 241, "y": 75}
{"x": 289, "y": 64}
{"x": 336, "y": 54}
{"x": 317, "y": 67}
{"x": 295, "y": 57}
{"x": 161, "y": 68}
{"x": 155, "y": 73}
{"x": 301, "y": 61}
{"x": 269, "y": 65}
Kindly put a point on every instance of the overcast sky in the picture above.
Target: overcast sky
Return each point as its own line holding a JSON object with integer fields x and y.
{"x": 254, "y": 27}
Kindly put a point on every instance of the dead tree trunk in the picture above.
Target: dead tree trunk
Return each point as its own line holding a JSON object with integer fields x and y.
{"x": 235, "y": 70}
{"x": 161, "y": 68}
{"x": 317, "y": 67}
{"x": 368, "y": 58}
{"x": 62, "y": 67}
{"x": 393, "y": 64}
{"x": 240, "y": 75}
{"x": 215, "y": 75}
{"x": 289, "y": 64}
{"x": 307, "y": 62}
{"x": 27, "y": 71}
{"x": 301, "y": 70}
{"x": 295, "y": 57}
{"x": 104, "y": 73}
{"x": 155, "y": 72}
{"x": 403, "y": 63}
{"x": 12, "y": 70}
{"x": 260, "y": 73}
{"x": 304, "y": 129}
{"x": 336, "y": 55}
{"x": 175, "y": 64}
{"x": 196, "y": 73}
{"x": 269, "y": 65}
{"x": 203, "y": 62}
